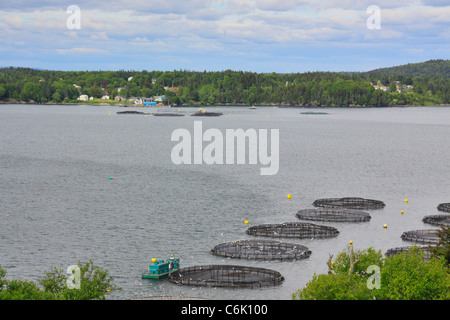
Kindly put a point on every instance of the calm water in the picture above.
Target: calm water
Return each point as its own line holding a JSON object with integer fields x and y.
{"x": 58, "y": 205}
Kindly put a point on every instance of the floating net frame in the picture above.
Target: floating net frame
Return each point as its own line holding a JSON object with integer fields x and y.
{"x": 437, "y": 220}
{"x": 261, "y": 250}
{"x": 428, "y": 236}
{"x": 166, "y": 114}
{"x": 393, "y": 251}
{"x": 349, "y": 203}
{"x": 226, "y": 276}
{"x": 299, "y": 230}
{"x": 333, "y": 215}
{"x": 444, "y": 207}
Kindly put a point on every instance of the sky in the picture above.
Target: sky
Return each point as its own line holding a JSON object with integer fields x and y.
{"x": 285, "y": 36}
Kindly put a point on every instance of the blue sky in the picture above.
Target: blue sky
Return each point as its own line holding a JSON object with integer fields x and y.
{"x": 250, "y": 35}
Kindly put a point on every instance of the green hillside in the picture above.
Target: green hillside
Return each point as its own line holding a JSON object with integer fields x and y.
{"x": 431, "y": 68}
{"x": 421, "y": 84}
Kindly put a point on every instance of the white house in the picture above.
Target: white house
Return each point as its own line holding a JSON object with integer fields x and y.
{"x": 105, "y": 97}
{"x": 83, "y": 97}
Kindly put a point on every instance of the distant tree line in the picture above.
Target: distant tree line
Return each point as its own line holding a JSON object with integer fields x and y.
{"x": 182, "y": 87}
{"x": 433, "y": 68}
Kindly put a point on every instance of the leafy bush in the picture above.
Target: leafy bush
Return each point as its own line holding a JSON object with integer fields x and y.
{"x": 94, "y": 284}
{"x": 405, "y": 276}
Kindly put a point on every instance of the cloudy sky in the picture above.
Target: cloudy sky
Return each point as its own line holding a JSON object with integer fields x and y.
{"x": 214, "y": 35}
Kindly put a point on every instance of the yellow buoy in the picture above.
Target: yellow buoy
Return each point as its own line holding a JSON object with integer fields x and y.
{"x": 406, "y": 200}
{"x": 153, "y": 260}
{"x": 289, "y": 196}
{"x": 246, "y": 222}
{"x": 110, "y": 113}
{"x": 401, "y": 212}
{"x": 351, "y": 241}
{"x": 385, "y": 226}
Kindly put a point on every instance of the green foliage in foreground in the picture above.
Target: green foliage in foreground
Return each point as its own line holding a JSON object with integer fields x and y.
{"x": 94, "y": 284}
{"x": 442, "y": 249}
{"x": 405, "y": 276}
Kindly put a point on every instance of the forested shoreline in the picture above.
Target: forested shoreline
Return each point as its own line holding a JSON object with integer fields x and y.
{"x": 182, "y": 87}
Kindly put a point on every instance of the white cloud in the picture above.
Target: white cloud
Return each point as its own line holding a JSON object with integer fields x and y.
{"x": 81, "y": 51}
{"x": 99, "y": 36}
{"x": 15, "y": 22}
{"x": 275, "y": 5}
{"x": 244, "y": 27}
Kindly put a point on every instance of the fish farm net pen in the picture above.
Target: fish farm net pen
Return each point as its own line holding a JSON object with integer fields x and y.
{"x": 293, "y": 230}
{"x": 429, "y": 236}
{"x": 393, "y": 251}
{"x": 437, "y": 220}
{"x": 444, "y": 207}
{"x": 261, "y": 250}
{"x": 333, "y": 215}
{"x": 226, "y": 276}
{"x": 349, "y": 203}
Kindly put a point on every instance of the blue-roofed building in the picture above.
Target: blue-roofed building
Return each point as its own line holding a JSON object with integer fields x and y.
{"x": 148, "y": 102}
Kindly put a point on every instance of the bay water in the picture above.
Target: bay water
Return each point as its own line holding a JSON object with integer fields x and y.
{"x": 81, "y": 183}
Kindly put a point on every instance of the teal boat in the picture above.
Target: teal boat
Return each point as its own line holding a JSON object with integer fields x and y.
{"x": 159, "y": 268}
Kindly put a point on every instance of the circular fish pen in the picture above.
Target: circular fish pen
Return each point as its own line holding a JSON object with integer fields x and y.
{"x": 333, "y": 215}
{"x": 437, "y": 220}
{"x": 444, "y": 207}
{"x": 349, "y": 203}
{"x": 167, "y": 114}
{"x": 261, "y": 250}
{"x": 393, "y": 251}
{"x": 428, "y": 236}
{"x": 226, "y": 276}
{"x": 130, "y": 112}
{"x": 293, "y": 230}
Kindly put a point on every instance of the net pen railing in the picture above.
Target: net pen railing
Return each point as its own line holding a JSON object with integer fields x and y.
{"x": 428, "y": 236}
{"x": 298, "y": 230}
{"x": 437, "y": 220}
{"x": 226, "y": 276}
{"x": 333, "y": 215}
{"x": 397, "y": 250}
{"x": 349, "y": 203}
{"x": 261, "y": 250}
{"x": 444, "y": 207}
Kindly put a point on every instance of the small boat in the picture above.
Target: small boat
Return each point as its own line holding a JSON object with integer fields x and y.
{"x": 252, "y": 107}
{"x": 159, "y": 269}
